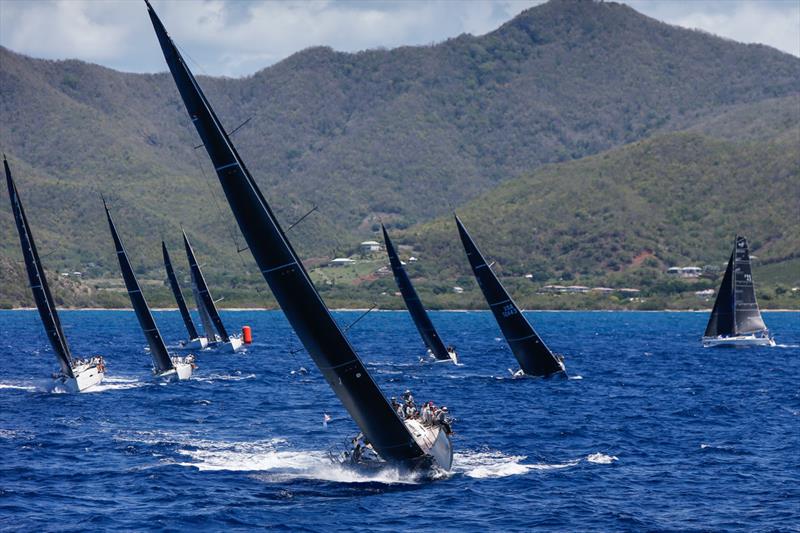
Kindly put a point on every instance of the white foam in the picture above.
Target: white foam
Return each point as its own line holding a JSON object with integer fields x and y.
{"x": 117, "y": 383}
{"x": 601, "y": 458}
{"x": 494, "y": 464}
{"x": 274, "y": 461}
{"x": 224, "y": 377}
{"x": 17, "y": 386}
{"x": 576, "y": 377}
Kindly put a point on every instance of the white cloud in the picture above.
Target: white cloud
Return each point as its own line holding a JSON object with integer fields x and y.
{"x": 238, "y": 37}
{"x": 775, "y": 23}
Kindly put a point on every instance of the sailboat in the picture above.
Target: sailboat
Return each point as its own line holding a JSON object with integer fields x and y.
{"x": 164, "y": 365}
{"x": 75, "y": 374}
{"x": 408, "y": 442}
{"x": 736, "y": 319}
{"x": 535, "y": 358}
{"x": 419, "y": 315}
{"x": 216, "y": 334}
{"x": 195, "y": 342}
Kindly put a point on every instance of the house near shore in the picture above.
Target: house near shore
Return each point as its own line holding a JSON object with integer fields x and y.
{"x": 368, "y": 247}
{"x": 685, "y": 272}
{"x": 341, "y": 261}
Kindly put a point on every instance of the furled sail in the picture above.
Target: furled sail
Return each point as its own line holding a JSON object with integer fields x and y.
{"x": 38, "y": 281}
{"x": 415, "y": 308}
{"x": 287, "y": 277}
{"x": 205, "y": 301}
{"x": 158, "y": 350}
{"x": 176, "y": 291}
{"x": 534, "y": 357}
{"x": 736, "y": 309}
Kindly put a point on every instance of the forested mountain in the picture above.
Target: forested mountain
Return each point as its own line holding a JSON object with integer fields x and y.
{"x": 407, "y": 135}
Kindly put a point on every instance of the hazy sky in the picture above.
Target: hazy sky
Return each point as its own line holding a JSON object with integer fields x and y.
{"x": 239, "y": 37}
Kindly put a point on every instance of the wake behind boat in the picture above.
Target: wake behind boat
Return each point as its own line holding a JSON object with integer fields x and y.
{"x": 165, "y": 365}
{"x": 535, "y": 358}
{"x": 419, "y": 315}
{"x": 282, "y": 269}
{"x": 217, "y": 336}
{"x": 736, "y": 319}
{"x": 195, "y": 342}
{"x": 75, "y": 374}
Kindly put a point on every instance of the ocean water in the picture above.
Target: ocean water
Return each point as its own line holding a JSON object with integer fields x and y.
{"x": 649, "y": 432}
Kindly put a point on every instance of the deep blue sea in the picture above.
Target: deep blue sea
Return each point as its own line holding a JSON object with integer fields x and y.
{"x": 650, "y": 432}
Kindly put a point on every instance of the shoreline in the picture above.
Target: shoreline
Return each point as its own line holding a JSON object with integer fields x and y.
{"x": 363, "y": 309}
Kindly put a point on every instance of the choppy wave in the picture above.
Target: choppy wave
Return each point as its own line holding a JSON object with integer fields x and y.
{"x": 20, "y": 386}
{"x": 275, "y": 461}
{"x": 117, "y": 383}
{"x": 223, "y": 377}
{"x": 601, "y": 458}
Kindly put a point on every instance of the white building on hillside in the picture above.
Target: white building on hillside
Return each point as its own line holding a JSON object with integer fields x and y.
{"x": 367, "y": 247}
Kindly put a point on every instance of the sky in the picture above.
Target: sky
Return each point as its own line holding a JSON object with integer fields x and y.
{"x": 239, "y": 37}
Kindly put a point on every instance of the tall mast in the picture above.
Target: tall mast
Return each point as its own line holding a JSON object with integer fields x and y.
{"x": 286, "y": 276}
{"x": 415, "y": 308}
{"x": 176, "y": 291}
{"x": 158, "y": 350}
{"x": 38, "y": 281}
{"x": 202, "y": 291}
{"x": 534, "y": 357}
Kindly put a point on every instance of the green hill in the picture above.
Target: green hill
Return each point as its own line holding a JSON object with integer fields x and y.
{"x": 405, "y": 134}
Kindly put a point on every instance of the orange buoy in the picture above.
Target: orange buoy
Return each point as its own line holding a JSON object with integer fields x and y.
{"x": 247, "y": 335}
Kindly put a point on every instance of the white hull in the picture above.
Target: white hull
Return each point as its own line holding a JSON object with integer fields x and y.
{"x": 233, "y": 345}
{"x": 86, "y": 376}
{"x": 183, "y": 369}
{"x": 453, "y": 357}
{"x": 195, "y": 344}
{"x": 433, "y": 441}
{"x": 738, "y": 340}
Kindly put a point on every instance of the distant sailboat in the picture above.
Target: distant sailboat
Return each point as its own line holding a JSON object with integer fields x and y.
{"x": 164, "y": 364}
{"x": 417, "y": 311}
{"x": 406, "y": 442}
{"x": 736, "y": 319}
{"x": 216, "y": 334}
{"x": 535, "y": 358}
{"x": 195, "y": 342}
{"x": 76, "y": 375}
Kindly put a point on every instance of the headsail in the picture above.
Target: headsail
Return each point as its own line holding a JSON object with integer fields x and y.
{"x": 38, "y": 282}
{"x": 415, "y": 308}
{"x": 288, "y": 279}
{"x": 176, "y": 291}
{"x": 722, "y": 320}
{"x": 534, "y": 357}
{"x": 205, "y": 301}
{"x": 158, "y": 349}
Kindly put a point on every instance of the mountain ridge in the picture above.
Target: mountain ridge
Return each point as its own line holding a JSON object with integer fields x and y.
{"x": 403, "y": 134}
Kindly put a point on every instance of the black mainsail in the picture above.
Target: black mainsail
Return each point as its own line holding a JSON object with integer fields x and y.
{"x": 176, "y": 291}
{"x": 736, "y": 309}
{"x": 534, "y": 357}
{"x": 287, "y": 277}
{"x": 158, "y": 349}
{"x": 38, "y": 282}
{"x": 206, "y": 301}
{"x": 415, "y": 308}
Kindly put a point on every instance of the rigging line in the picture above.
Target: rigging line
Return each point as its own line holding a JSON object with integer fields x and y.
{"x": 354, "y": 322}
{"x": 302, "y": 218}
{"x": 228, "y": 227}
{"x": 237, "y": 128}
